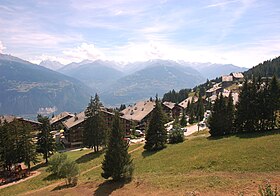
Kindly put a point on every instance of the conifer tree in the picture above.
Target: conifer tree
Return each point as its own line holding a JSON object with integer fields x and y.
{"x": 45, "y": 143}
{"x": 183, "y": 121}
{"x": 191, "y": 112}
{"x": 156, "y": 136}
{"x": 28, "y": 145}
{"x": 217, "y": 120}
{"x": 117, "y": 163}
{"x": 274, "y": 102}
{"x": 200, "y": 109}
{"x": 229, "y": 115}
{"x": 95, "y": 129}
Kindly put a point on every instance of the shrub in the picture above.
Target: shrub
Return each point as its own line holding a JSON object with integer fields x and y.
{"x": 267, "y": 190}
{"x": 69, "y": 170}
{"x": 56, "y": 162}
{"x": 62, "y": 167}
{"x": 176, "y": 135}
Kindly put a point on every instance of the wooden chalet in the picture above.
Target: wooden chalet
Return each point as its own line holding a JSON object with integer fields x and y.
{"x": 9, "y": 118}
{"x": 140, "y": 113}
{"x": 74, "y": 127}
{"x": 56, "y": 121}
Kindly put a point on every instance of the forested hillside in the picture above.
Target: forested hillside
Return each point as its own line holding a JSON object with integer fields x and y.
{"x": 266, "y": 69}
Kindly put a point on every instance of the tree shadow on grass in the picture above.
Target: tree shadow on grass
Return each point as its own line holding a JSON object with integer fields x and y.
{"x": 258, "y": 134}
{"x": 146, "y": 153}
{"x": 51, "y": 177}
{"x": 38, "y": 166}
{"x": 88, "y": 157}
{"x": 109, "y": 186}
{"x": 65, "y": 186}
{"x": 247, "y": 135}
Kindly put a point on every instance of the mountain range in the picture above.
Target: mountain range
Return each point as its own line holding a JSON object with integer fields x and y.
{"x": 28, "y": 88}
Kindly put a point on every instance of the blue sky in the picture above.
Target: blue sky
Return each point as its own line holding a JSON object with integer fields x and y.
{"x": 241, "y": 32}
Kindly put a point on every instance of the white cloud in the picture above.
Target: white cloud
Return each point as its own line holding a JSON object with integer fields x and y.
{"x": 2, "y": 47}
{"x": 77, "y": 54}
{"x": 84, "y": 51}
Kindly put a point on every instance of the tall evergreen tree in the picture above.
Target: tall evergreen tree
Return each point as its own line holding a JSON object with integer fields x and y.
{"x": 191, "y": 112}
{"x": 156, "y": 136}
{"x": 246, "y": 118}
{"x": 45, "y": 143}
{"x": 183, "y": 121}
{"x": 28, "y": 145}
{"x": 217, "y": 120}
{"x": 274, "y": 102}
{"x": 229, "y": 114}
{"x": 95, "y": 128}
{"x": 200, "y": 109}
{"x": 117, "y": 163}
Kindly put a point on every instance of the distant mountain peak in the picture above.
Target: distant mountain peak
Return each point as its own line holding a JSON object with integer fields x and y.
{"x": 54, "y": 65}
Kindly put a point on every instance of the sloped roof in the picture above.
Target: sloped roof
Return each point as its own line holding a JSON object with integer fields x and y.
{"x": 227, "y": 78}
{"x": 237, "y": 75}
{"x": 75, "y": 120}
{"x": 235, "y": 97}
{"x": 10, "y": 118}
{"x": 184, "y": 103}
{"x": 7, "y": 118}
{"x": 169, "y": 104}
{"x": 139, "y": 110}
{"x": 60, "y": 117}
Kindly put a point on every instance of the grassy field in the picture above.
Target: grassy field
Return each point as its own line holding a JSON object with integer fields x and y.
{"x": 204, "y": 158}
{"x": 86, "y": 159}
{"x": 233, "y": 164}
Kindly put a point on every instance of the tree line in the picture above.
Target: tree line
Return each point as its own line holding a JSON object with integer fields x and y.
{"x": 256, "y": 110}
{"x": 19, "y": 142}
{"x": 176, "y": 97}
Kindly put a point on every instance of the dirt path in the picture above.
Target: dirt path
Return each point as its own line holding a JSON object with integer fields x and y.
{"x": 61, "y": 181}
{"x": 34, "y": 174}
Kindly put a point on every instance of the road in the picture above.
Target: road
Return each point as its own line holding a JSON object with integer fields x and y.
{"x": 191, "y": 129}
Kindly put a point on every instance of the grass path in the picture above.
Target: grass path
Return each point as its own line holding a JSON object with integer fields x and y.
{"x": 82, "y": 173}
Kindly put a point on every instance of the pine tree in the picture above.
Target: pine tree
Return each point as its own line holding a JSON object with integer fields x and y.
{"x": 229, "y": 115}
{"x": 183, "y": 121}
{"x": 156, "y": 136}
{"x": 45, "y": 143}
{"x": 217, "y": 120}
{"x": 200, "y": 109}
{"x": 274, "y": 102}
{"x": 117, "y": 163}
{"x": 28, "y": 145}
{"x": 95, "y": 130}
{"x": 191, "y": 112}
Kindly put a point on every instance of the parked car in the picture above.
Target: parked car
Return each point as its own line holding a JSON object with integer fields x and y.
{"x": 139, "y": 133}
{"x": 184, "y": 129}
{"x": 202, "y": 124}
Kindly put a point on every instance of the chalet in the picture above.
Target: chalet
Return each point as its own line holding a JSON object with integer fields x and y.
{"x": 237, "y": 76}
{"x": 184, "y": 104}
{"x": 74, "y": 127}
{"x": 169, "y": 108}
{"x": 227, "y": 78}
{"x": 139, "y": 113}
{"x": 9, "y": 118}
{"x": 225, "y": 93}
{"x": 56, "y": 121}
{"x": 216, "y": 89}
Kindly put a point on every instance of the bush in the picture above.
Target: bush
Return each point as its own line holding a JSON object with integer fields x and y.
{"x": 176, "y": 135}
{"x": 267, "y": 190}
{"x": 56, "y": 162}
{"x": 62, "y": 167}
{"x": 69, "y": 170}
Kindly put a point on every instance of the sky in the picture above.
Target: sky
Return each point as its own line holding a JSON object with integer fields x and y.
{"x": 239, "y": 32}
